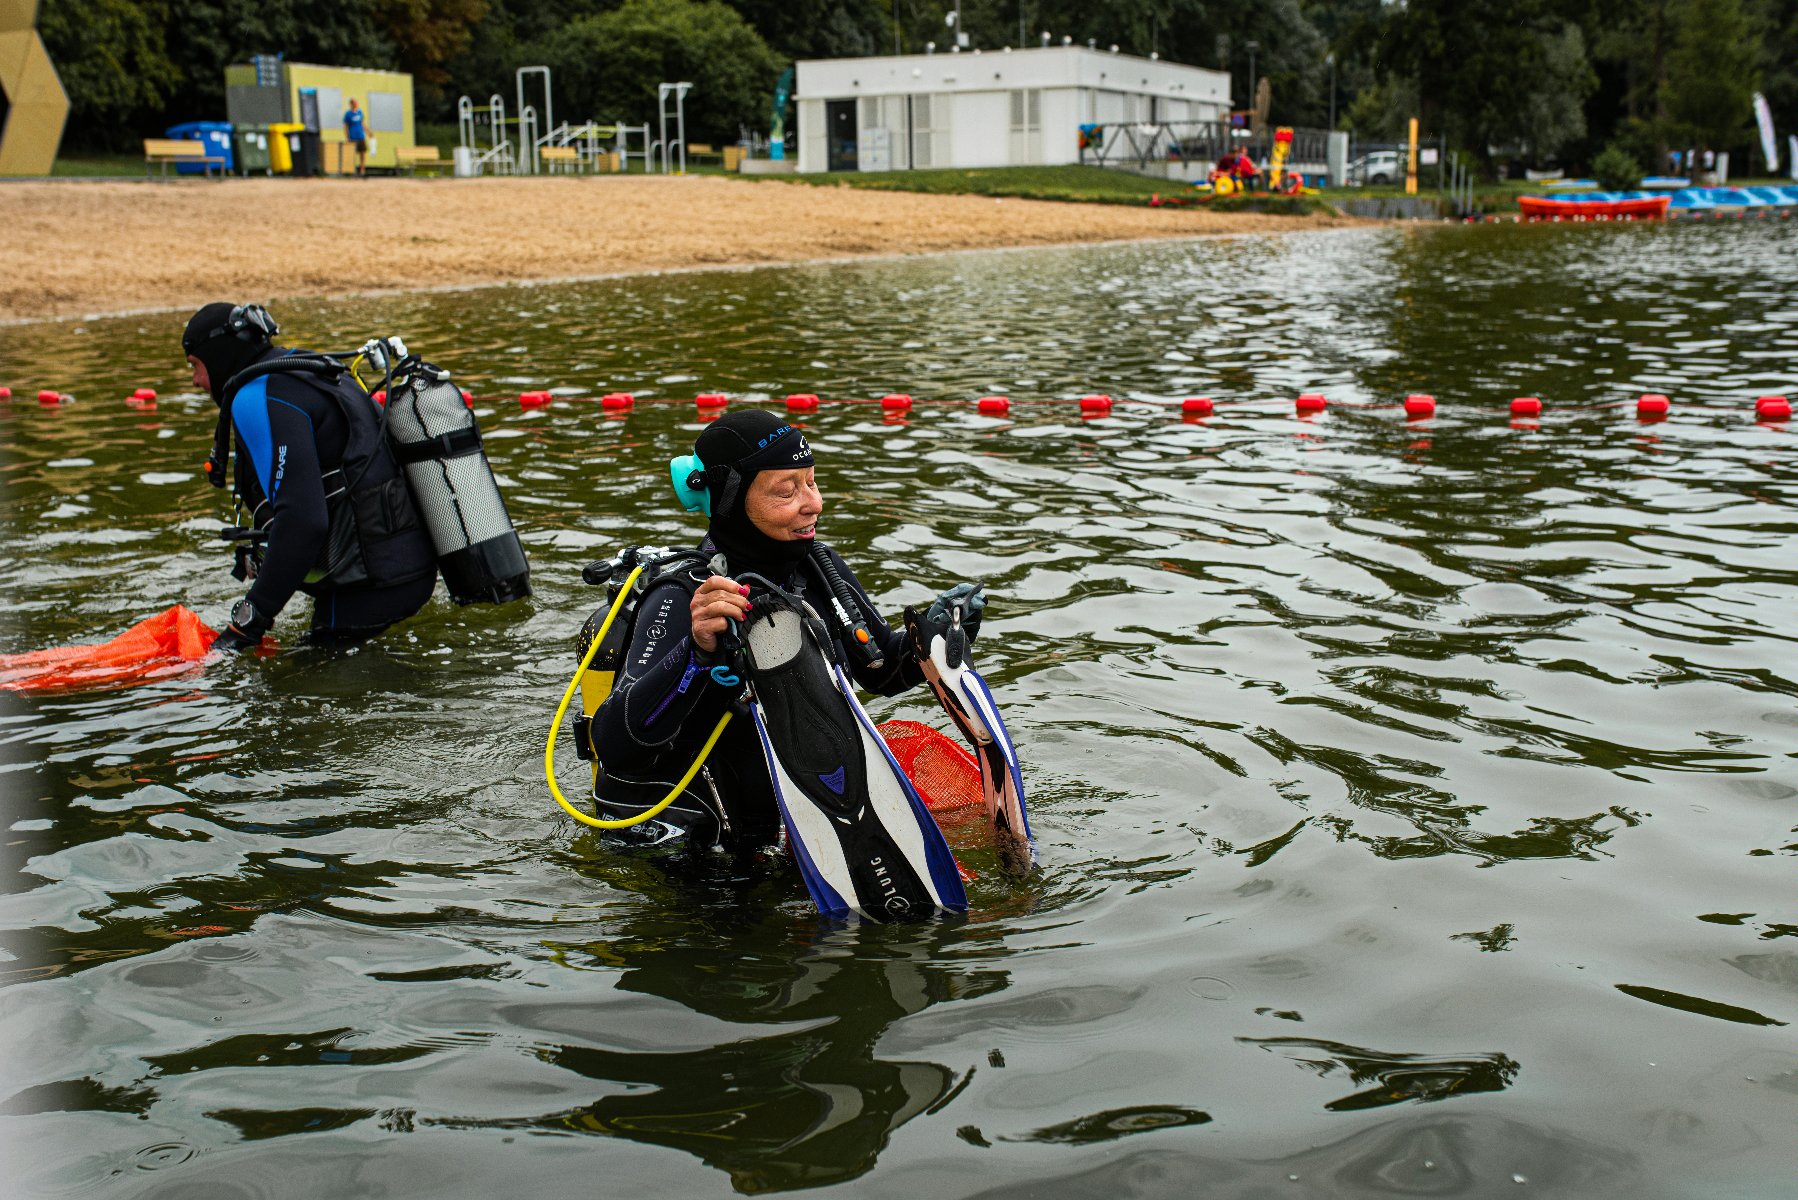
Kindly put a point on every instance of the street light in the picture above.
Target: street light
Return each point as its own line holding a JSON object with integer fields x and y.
{"x": 1330, "y": 59}
{"x": 1252, "y": 47}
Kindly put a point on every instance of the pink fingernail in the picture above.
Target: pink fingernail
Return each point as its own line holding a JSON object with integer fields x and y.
{"x": 744, "y": 588}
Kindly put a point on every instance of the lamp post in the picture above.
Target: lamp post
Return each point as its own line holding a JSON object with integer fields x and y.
{"x": 1252, "y": 47}
{"x": 1330, "y": 59}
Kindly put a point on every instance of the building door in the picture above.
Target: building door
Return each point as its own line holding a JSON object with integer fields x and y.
{"x": 840, "y": 155}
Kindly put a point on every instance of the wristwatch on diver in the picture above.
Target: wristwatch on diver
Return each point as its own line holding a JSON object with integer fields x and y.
{"x": 247, "y": 619}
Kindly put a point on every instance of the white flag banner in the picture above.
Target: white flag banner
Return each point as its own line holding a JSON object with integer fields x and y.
{"x": 1769, "y": 145}
{"x": 1792, "y": 154}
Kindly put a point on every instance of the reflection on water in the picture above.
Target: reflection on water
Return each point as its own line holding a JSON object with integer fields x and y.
{"x": 1373, "y": 761}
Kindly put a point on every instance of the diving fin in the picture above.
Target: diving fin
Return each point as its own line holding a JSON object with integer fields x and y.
{"x": 965, "y": 696}
{"x": 864, "y": 840}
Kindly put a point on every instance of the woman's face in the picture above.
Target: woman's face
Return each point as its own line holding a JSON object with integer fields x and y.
{"x": 785, "y": 504}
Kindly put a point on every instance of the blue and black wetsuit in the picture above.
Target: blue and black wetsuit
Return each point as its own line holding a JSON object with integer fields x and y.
{"x": 665, "y": 704}
{"x": 352, "y": 543}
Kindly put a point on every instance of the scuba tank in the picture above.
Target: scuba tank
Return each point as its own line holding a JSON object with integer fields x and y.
{"x": 437, "y": 442}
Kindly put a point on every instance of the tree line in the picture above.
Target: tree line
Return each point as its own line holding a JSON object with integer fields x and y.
{"x": 1508, "y": 81}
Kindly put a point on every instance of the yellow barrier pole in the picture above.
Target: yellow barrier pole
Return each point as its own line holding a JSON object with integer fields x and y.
{"x": 1411, "y": 162}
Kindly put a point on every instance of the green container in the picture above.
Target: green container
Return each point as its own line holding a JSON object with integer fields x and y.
{"x": 251, "y": 145}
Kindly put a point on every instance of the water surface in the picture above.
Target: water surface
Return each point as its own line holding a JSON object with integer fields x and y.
{"x": 1414, "y": 799}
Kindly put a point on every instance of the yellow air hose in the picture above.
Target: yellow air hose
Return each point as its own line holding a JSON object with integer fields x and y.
{"x": 555, "y": 726}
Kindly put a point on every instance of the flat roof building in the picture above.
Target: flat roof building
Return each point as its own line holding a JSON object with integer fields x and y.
{"x": 994, "y": 108}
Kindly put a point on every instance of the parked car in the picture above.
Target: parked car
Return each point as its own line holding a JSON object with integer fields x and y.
{"x": 1376, "y": 168}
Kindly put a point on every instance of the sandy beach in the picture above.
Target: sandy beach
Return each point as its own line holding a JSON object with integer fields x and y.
{"x": 79, "y": 248}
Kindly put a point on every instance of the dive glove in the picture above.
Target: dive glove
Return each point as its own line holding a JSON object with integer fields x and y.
{"x": 245, "y": 630}
{"x": 972, "y": 599}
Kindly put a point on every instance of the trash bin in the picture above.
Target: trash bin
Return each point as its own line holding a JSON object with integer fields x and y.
{"x": 282, "y": 139}
{"x": 310, "y": 159}
{"x": 215, "y": 135}
{"x": 251, "y": 149}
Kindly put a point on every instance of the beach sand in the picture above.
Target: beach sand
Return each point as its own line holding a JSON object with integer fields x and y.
{"x": 89, "y": 248}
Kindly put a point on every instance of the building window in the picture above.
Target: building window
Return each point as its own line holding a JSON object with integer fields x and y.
{"x": 1026, "y": 127}
{"x": 1026, "y": 110}
{"x": 386, "y": 112}
{"x": 921, "y": 130}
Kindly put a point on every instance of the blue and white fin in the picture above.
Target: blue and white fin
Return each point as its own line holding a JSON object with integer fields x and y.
{"x": 865, "y": 842}
{"x": 969, "y": 703}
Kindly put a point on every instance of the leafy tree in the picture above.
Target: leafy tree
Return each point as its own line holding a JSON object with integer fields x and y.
{"x": 608, "y": 66}
{"x": 113, "y": 59}
{"x": 427, "y": 34}
{"x": 1712, "y": 74}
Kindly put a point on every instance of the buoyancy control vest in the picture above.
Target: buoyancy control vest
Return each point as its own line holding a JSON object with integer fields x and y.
{"x": 374, "y": 537}
{"x": 601, "y": 674}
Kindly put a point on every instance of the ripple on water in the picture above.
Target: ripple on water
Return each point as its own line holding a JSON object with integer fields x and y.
{"x": 1353, "y": 745}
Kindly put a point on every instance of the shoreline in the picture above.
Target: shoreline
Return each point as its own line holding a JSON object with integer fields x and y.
{"x": 444, "y": 289}
{"x": 77, "y": 253}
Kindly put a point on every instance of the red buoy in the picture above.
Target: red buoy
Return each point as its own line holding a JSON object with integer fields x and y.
{"x": 47, "y": 397}
{"x": 144, "y": 394}
{"x": 1420, "y": 404}
{"x": 1526, "y": 406}
{"x": 896, "y": 402}
{"x": 617, "y": 401}
{"x": 802, "y": 402}
{"x": 1197, "y": 406}
{"x": 533, "y": 399}
{"x": 711, "y": 400}
{"x": 994, "y": 405}
{"x": 1095, "y": 406}
{"x": 380, "y": 397}
{"x": 1310, "y": 402}
{"x": 5, "y": 393}
{"x": 1652, "y": 404}
{"x": 1773, "y": 408}
{"x": 467, "y": 397}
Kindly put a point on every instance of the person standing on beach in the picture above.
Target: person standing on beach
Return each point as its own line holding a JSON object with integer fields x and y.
{"x": 356, "y": 135}
{"x": 329, "y": 511}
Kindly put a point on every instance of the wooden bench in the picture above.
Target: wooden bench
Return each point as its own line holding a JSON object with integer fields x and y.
{"x": 697, "y": 150}
{"x": 410, "y": 158}
{"x": 564, "y": 158}
{"x": 174, "y": 150}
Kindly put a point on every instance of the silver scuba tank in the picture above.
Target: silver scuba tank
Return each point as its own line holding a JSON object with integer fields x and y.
{"x": 437, "y": 442}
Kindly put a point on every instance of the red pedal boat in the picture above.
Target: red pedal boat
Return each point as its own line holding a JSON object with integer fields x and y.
{"x": 1638, "y": 208}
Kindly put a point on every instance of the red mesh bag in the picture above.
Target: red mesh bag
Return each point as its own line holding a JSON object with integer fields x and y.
{"x": 166, "y": 644}
{"x": 945, "y": 774}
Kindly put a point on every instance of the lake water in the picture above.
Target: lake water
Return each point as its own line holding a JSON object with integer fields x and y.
{"x": 1414, "y": 799}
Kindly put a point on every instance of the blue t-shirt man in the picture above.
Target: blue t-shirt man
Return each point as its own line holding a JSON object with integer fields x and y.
{"x": 354, "y": 134}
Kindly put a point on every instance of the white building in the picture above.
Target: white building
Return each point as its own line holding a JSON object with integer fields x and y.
{"x": 987, "y": 109}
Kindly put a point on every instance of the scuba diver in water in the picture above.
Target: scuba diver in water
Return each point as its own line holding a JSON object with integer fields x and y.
{"x": 764, "y": 597}
{"x": 329, "y": 510}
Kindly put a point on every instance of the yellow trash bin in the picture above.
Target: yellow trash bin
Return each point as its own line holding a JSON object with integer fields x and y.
{"x": 280, "y": 153}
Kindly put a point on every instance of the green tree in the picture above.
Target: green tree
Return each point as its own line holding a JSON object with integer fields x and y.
{"x": 608, "y": 66}
{"x": 1712, "y": 74}
{"x": 428, "y": 34}
{"x": 113, "y": 59}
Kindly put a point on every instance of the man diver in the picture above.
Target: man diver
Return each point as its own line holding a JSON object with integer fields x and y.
{"x": 329, "y": 511}
{"x": 757, "y": 474}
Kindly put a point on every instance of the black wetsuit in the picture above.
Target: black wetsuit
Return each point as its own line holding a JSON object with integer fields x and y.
{"x": 665, "y": 705}
{"x": 291, "y": 440}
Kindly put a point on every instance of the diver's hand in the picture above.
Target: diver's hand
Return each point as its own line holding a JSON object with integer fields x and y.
{"x": 972, "y": 599}
{"x": 245, "y": 631}
{"x": 719, "y": 599}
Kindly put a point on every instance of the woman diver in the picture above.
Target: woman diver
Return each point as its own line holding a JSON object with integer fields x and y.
{"x": 753, "y": 474}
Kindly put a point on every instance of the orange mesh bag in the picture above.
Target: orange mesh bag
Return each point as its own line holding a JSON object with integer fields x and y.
{"x": 946, "y": 776}
{"x": 166, "y": 644}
